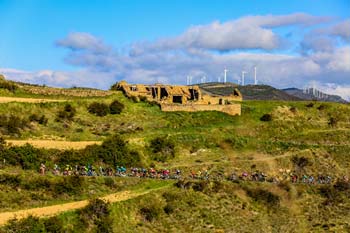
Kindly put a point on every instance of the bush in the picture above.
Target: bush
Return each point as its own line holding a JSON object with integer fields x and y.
{"x": 25, "y": 156}
{"x": 69, "y": 185}
{"x": 300, "y": 162}
{"x": 113, "y": 151}
{"x": 333, "y": 121}
{"x": 12, "y": 124}
{"x": 26, "y": 225}
{"x": 116, "y": 107}
{"x": 264, "y": 196}
{"x": 309, "y": 105}
{"x": 163, "y": 148}
{"x": 67, "y": 113}
{"x": 97, "y": 212}
{"x": 99, "y": 109}
{"x": 42, "y": 120}
{"x": 266, "y": 117}
{"x": 7, "y": 85}
{"x": 151, "y": 209}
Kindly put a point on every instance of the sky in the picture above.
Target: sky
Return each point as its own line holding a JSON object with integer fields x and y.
{"x": 95, "y": 43}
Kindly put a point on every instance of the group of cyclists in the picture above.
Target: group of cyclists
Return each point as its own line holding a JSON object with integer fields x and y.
{"x": 203, "y": 174}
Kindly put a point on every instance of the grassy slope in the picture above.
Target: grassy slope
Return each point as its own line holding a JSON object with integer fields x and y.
{"x": 220, "y": 143}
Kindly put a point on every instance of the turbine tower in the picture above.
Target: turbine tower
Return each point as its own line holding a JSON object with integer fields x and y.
{"x": 243, "y": 73}
{"x": 225, "y": 75}
{"x": 255, "y": 81}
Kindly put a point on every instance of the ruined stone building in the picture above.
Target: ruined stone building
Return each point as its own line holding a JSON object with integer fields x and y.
{"x": 184, "y": 98}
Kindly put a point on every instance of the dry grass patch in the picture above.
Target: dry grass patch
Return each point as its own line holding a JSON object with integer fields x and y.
{"x": 53, "y": 144}
{"x": 27, "y": 100}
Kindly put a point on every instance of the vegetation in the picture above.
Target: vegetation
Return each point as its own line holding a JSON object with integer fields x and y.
{"x": 309, "y": 138}
{"x": 99, "y": 109}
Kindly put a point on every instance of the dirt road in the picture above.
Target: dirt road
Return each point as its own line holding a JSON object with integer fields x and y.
{"x": 54, "y": 144}
{"x": 57, "y": 209}
{"x": 4, "y": 99}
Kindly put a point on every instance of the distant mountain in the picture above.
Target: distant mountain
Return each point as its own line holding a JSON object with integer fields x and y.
{"x": 249, "y": 92}
{"x": 314, "y": 94}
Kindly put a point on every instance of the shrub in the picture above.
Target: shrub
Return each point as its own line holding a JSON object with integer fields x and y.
{"x": 264, "y": 196}
{"x": 69, "y": 185}
{"x": 300, "y": 162}
{"x": 116, "y": 107}
{"x": 12, "y": 124}
{"x": 266, "y": 117}
{"x": 67, "y": 113}
{"x": 309, "y": 105}
{"x": 97, "y": 212}
{"x": 99, "y": 109}
{"x": 42, "y": 120}
{"x": 293, "y": 109}
{"x": 321, "y": 107}
{"x": 25, "y": 156}
{"x": 333, "y": 121}
{"x": 114, "y": 151}
{"x": 163, "y": 148}
{"x": 152, "y": 210}
{"x": 7, "y": 85}
{"x": 26, "y": 225}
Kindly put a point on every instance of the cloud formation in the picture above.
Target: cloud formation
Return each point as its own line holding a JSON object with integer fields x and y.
{"x": 205, "y": 50}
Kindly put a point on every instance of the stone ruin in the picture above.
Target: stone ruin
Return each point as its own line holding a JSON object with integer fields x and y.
{"x": 183, "y": 98}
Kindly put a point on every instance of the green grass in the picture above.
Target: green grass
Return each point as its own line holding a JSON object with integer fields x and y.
{"x": 205, "y": 140}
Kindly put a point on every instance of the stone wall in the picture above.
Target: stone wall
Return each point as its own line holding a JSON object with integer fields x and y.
{"x": 231, "y": 109}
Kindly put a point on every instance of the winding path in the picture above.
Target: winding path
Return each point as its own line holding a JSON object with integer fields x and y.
{"x": 57, "y": 209}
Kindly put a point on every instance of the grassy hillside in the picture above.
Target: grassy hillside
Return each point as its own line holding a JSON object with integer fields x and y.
{"x": 269, "y": 136}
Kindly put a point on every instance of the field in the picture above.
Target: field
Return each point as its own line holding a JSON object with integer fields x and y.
{"x": 270, "y": 136}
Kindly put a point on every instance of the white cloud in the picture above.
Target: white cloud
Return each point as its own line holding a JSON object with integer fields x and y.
{"x": 196, "y": 52}
{"x": 83, "y": 41}
{"x": 341, "y": 29}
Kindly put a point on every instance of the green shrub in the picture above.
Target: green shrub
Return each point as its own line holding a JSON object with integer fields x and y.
{"x": 67, "y": 113}
{"x": 151, "y": 210}
{"x": 309, "y": 105}
{"x": 266, "y": 117}
{"x": 116, "y": 107}
{"x": 12, "y": 124}
{"x": 97, "y": 213}
{"x": 42, "y": 120}
{"x": 25, "y": 156}
{"x": 26, "y": 225}
{"x": 7, "y": 85}
{"x": 99, "y": 109}
{"x": 69, "y": 185}
{"x": 162, "y": 148}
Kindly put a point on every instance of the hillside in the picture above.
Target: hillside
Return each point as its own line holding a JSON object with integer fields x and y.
{"x": 278, "y": 138}
{"x": 249, "y": 92}
{"x": 309, "y": 96}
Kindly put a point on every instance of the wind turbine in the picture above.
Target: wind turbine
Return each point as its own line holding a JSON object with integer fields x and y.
{"x": 255, "y": 80}
{"x": 225, "y": 74}
{"x": 243, "y": 73}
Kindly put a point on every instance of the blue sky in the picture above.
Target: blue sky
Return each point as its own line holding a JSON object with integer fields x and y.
{"x": 36, "y": 36}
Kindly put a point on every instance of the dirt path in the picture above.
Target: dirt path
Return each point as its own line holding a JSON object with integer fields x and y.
{"x": 54, "y": 144}
{"x": 57, "y": 209}
{"x": 4, "y": 99}
{"x": 266, "y": 158}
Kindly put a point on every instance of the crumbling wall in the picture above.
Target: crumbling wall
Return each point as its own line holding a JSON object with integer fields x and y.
{"x": 231, "y": 109}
